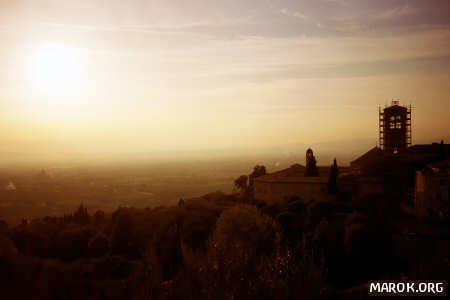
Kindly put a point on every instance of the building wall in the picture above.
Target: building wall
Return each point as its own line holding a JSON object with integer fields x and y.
{"x": 368, "y": 189}
{"x": 419, "y": 195}
{"x": 431, "y": 195}
{"x": 278, "y": 192}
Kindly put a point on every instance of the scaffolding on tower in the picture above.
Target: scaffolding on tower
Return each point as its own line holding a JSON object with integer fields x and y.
{"x": 394, "y": 127}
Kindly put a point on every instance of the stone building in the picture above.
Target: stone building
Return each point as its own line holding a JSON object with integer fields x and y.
{"x": 431, "y": 196}
{"x": 404, "y": 179}
{"x": 305, "y": 183}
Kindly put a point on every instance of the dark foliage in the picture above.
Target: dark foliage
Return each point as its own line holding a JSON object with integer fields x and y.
{"x": 332, "y": 180}
{"x": 212, "y": 247}
{"x": 311, "y": 167}
{"x": 241, "y": 183}
{"x": 257, "y": 172}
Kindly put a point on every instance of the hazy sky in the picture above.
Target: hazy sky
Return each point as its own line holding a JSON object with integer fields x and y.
{"x": 135, "y": 76}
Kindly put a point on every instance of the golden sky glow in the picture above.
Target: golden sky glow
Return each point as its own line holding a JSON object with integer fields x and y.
{"x": 137, "y": 76}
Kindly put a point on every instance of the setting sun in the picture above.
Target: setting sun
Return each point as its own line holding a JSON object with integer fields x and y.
{"x": 55, "y": 72}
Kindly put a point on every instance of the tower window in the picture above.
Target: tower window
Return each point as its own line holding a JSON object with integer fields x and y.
{"x": 398, "y": 125}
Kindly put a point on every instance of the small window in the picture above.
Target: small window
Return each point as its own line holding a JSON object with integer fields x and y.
{"x": 392, "y": 118}
{"x": 399, "y": 118}
{"x": 391, "y": 125}
{"x": 398, "y": 125}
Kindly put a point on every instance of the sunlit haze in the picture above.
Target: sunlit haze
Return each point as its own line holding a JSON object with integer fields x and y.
{"x": 55, "y": 74}
{"x": 81, "y": 78}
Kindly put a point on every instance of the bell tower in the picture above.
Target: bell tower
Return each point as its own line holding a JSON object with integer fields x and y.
{"x": 395, "y": 127}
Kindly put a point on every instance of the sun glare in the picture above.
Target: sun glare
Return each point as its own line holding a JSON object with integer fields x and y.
{"x": 56, "y": 72}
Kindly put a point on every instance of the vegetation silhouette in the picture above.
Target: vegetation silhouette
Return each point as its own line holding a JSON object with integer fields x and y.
{"x": 332, "y": 180}
{"x": 218, "y": 246}
{"x": 241, "y": 183}
{"x": 311, "y": 164}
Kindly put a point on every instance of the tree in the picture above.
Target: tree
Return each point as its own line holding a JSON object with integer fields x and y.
{"x": 368, "y": 241}
{"x": 242, "y": 253}
{"x": 332, "y": 180}
{"x": 99, "y": 216}
{"x": 442, "y": 150}
{"x": 98, "y": 245}
{"x": 241, "y": 183}
{"x": 311, "y": 168}
{"x": 122, "y": 236}
{"x": 257, "y": 172}
{"x": 81, "y": 216}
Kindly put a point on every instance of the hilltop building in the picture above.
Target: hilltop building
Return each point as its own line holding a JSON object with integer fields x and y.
{"x": 392, "y": 178}
{"x": 380, "y": 174}
{"x": 398, "y": 172}
{"x": 379, "y": 162}
{"x": 307, "y": 183}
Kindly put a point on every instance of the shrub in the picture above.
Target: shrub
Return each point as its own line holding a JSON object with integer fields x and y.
{"x": 368, "y": 242}
{"x": 123, "y": 240}
{"x": 98, "y": 245}
{"x": 7, "y": 247}
{"x": 242, "y": 253}
{"x": 72, "y": 242}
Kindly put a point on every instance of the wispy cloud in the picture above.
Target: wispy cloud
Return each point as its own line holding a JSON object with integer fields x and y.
{"x": 399, "y": 12}
{"x": 230, "y": 19}
{"x": 294, "y": 14}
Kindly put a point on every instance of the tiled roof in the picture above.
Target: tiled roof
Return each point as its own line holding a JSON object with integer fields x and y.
{"x": 296, "y": 173}
{"x": 410, "y": 155}
{"x": 302, "y": 179}
{"x": 440, "y": 164}
{"x": 370, "y": 156}
{"x": 434, "y": 148}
